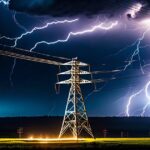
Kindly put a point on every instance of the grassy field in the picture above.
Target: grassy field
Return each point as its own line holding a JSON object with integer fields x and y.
{"x": 102, "y": 143}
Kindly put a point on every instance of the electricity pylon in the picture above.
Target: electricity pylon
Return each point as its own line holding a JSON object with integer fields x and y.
{"x": 75, "y": 118}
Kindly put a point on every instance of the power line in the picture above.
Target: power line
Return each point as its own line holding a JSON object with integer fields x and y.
{"x": 38, "y": 53}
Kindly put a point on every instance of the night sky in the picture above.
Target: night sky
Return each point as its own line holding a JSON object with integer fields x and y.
{"x": 30, "y": 89}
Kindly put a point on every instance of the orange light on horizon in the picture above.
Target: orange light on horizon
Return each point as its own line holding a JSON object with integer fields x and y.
{"x": 53, "y": 139}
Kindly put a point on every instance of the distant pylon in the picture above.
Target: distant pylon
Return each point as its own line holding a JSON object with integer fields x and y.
{"x": 75, "y": 118}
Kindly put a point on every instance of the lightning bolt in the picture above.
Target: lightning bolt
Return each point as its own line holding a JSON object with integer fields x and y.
{"x": 100, "y": 26}
{"x": 7, "y": 38}
{"x": 18, "y": 24}
{"x": 30, "y": 32}
{"x": 148, "y": 97}
{"x": 12, "y": 72}
{"x": 134, "y": 95}
{"x": 6, "y": 3}
{"x": 130, "y": 101}
{"x": 145, "y": 89}
{"x": 43, "y": 27}
{"x": 16, "y": 39}
{"x": 137, "y": 51}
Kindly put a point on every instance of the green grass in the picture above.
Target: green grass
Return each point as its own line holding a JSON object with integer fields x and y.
{"x": 103, "y": 143}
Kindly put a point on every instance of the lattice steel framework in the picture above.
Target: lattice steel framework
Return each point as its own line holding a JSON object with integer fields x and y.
{"x": 75, "y": 117}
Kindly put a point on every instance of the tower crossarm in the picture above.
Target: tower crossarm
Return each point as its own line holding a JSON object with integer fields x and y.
{"x": 70, "y": 81}
{"x": 80, "y": 72}
{"x": 29, "y": 58}
{"x": 75, "y": 62}
{"x": 75, "y": 118}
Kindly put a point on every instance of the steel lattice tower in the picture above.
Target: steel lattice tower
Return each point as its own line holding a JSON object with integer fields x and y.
{"x": 75, "y": 117}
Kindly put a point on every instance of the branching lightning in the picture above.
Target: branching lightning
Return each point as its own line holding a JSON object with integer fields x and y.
{"x": 100, "y": 26}
{"x": 136, "y": 94}
{"x": 6, "y": 3}
{"x": 37, "y": 28}
{"x": 7, "y": 38}
{"x": 148, "y": 97}
{"x": 43, "y": 27}
{"x": 136, "y": 53}
{"x": 30, "y": 32}
{"x": 130, "y": 100}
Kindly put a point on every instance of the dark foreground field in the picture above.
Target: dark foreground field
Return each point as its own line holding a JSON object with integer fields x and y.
{"x": 50, "y": 126}
{"x": 101, "y": 143}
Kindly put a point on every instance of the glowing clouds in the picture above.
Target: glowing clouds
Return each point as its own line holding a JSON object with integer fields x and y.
{"x": 133, "y": 11}
{"x": 100, "y": 26}
{"x": 145, "y": 23}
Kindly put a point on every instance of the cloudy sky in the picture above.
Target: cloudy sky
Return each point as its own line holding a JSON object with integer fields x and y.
{"x": 117, "y": 45}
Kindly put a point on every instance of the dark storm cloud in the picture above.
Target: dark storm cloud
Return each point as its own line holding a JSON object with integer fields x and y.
{"x": 61, "y": 8}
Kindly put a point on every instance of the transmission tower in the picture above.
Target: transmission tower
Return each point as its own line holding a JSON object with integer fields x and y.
{"x": 75, "y": 119}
